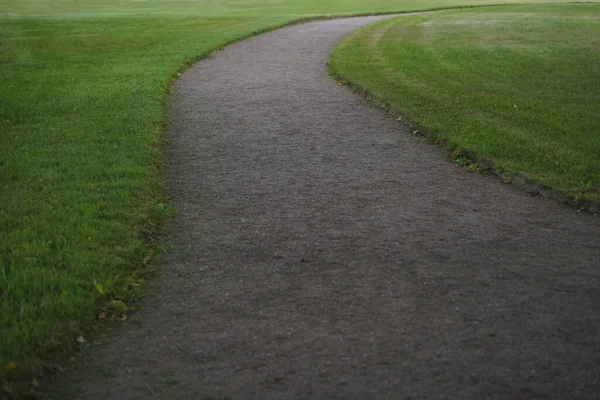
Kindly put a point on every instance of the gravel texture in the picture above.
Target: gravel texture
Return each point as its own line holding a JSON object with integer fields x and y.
{"x": 320, "y": 251}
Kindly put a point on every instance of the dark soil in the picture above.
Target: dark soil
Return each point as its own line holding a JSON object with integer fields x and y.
{"x": 320, "y": 251}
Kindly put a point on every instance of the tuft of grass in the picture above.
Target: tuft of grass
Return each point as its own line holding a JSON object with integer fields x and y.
{"x": 81, "y": 130}
{"x": 517, "y": 87}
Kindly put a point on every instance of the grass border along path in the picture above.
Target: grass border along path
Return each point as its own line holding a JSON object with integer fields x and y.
{"x": 81, "y": 123}
{"x": 82, "y": 196}
{"x": 514, "y": 87}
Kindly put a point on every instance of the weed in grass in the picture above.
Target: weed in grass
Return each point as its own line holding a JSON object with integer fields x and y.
{"x": 107, "y": 288}
{"x": 474, "y": 167}
{"x": 462, "y": 161}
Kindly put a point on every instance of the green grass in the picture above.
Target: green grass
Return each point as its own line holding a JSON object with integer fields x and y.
{"x": 82, "y": 100}
{"x": 517, "y": 87}
{"x": 221, "y": 8}
{"x": 82, "y": 117}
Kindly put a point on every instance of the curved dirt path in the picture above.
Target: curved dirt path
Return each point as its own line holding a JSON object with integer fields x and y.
{"x": 321, "y": 251}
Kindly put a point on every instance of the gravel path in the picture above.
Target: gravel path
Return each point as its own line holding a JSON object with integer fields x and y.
{"x": 322, "y": 252}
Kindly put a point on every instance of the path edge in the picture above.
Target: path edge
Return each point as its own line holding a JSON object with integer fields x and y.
{"x": 481, "y": 166}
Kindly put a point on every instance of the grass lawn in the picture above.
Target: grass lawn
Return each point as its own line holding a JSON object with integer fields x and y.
{"x": 517, "y": 87}
{"x": 82, "y": 100}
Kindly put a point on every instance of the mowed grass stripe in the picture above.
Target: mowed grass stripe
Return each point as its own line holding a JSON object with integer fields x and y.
{"x": 224, "y": 8}
{"x": 517, "y": 87}
{"x": 81, "y": 123}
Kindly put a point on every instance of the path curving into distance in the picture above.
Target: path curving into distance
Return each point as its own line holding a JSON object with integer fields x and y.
{"x": 322, "y": 252}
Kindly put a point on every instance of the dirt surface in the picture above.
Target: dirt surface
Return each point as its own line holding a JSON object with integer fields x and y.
{"x": 323, "y": 252}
